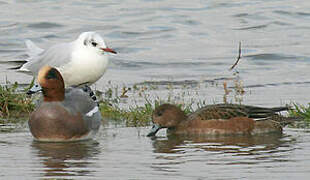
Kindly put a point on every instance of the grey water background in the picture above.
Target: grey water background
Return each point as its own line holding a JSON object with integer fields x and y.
{"x": 181, "y": 42}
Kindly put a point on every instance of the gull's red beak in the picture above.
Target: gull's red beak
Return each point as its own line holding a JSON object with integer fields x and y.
{"x": 109, "y": 50}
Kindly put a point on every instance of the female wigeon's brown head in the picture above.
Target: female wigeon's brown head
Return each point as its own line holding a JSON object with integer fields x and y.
{"x": 166, "y": 116}
{"x": 52, "y": 84}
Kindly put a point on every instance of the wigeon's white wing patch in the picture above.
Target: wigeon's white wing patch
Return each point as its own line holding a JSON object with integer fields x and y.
{"x": 262, "y": 119}
{"x": 93, "y": 111}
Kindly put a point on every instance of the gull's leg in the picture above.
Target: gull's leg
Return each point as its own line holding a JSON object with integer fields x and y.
{"x": 91, "y": 93}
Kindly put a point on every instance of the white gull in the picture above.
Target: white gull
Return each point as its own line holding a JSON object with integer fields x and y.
{"x": 81, "y": 62}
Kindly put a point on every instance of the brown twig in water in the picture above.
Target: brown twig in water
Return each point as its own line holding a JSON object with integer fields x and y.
{"x": 124, "y": 91}
{"x": 238, "y": 58}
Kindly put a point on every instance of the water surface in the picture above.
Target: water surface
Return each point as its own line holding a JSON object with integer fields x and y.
{"x": 169, "y": 43}
{"x": 126, "y": 153}
{"x": 176, "y": 41}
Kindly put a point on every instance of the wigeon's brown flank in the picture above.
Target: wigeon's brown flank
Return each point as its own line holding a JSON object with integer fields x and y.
{"x": 64, "y": 115}
{"x": 56, "y": 124}
{"x": 219, "y": 119}
{"x": 241, "y": 125}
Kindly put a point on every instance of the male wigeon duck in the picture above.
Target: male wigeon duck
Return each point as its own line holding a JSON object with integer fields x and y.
{"x": 219, "y": 119}
{"x": 64, "y": 114}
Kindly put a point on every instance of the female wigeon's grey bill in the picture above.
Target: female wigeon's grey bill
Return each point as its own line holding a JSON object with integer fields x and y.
{"x": 154, "y": 130}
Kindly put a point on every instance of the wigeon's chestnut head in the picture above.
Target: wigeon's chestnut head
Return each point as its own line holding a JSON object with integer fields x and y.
{"x": 52, "y": 84}
{"x": 64, "y": 114}
{"x": 219, "y": 119}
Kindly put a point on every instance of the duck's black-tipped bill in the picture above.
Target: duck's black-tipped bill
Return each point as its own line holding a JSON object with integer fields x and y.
{"x": 36, "y": 88}
{"x": 154, "y": 130}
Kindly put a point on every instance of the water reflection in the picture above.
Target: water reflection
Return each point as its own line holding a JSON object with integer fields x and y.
{"x": 174, "y": 154}
{"x": 67, "y": 159}
{"x": 239, "y": 145}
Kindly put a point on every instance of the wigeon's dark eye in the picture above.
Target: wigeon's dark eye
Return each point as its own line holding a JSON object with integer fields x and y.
{"x": 159, "y": 113}
{"x": 94, "y": 44}
{"x": 51, "y": 74}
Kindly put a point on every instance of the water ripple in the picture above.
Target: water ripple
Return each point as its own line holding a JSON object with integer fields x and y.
{"x": 269, "y": 56}
{"x": 292, "y": 14}
{"x": 146, "y": 64}
{"x": 253, "y": 27}
{"x": 44, "y": 25}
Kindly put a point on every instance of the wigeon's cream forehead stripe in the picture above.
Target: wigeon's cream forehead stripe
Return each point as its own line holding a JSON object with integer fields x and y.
{"x": 93, "y": 111}
{"x": 42, "y": 73}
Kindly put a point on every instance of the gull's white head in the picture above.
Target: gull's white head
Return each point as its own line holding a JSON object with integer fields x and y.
{"x": 95, "y": 42}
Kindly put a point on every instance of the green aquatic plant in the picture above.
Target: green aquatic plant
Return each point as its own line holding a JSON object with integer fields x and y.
{"x": 133, "y": 116}
{"x": 302, "y": 113}
{"x": 134, "y": 105}
{"x": 14, "y": 103}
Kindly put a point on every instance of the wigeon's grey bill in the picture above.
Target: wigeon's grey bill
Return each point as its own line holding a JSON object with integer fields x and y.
{"x": 35, "y": 88}
{"x": 109, "y": 50}
{"x": 154, "y": 130}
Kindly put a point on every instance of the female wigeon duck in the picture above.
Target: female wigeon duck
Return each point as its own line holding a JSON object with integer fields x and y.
{"x": 219, "y": 119}
{"x": 64, "y": 114}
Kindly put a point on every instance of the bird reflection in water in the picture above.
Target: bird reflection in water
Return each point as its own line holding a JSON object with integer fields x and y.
{"x": 66, "y": 159}
{"x": 231, "y": 144}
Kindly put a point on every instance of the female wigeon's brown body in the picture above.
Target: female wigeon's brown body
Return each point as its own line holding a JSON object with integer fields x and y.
{"x": 219, "y": 119}
{"x": 65, "y": 114}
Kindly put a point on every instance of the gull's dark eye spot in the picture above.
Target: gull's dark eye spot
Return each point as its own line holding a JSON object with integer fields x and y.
{"x": 94, "y": 44}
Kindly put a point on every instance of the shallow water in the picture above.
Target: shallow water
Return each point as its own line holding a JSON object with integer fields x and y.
{"x": 176, "y": 41}
{"x": 126, "y": 153}
{"x": 169, "y": 42}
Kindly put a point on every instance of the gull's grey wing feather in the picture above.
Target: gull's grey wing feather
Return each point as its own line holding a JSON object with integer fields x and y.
{"x": 56, "y": 56}
{"x": 33, "y": 50}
